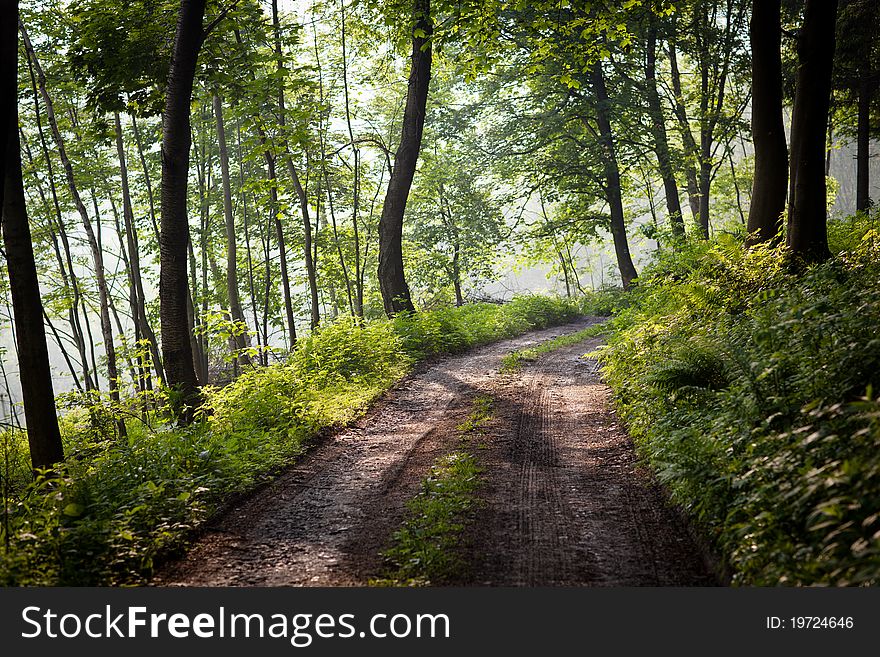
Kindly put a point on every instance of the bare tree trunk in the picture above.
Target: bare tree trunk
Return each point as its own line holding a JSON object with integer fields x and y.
{"x": 238, "y": 342}
{"x": 147, "y": 179}
{"x": 358, "y": 281}
{"x": 863, "y": 147}
{"x": 97, "y": 255}
{"x": 687, "y": 137}
{"x": 68, "y": 278}
{"x": 612, "y": 179}
{"x": 174, "y": 230}
{"x": 392, "y": 281}
{"x": 247, "y": 238}
{"x": 768, "y": 132}
{"x": 131, "y": 240}
{"x": 661, "y": 141}
{"x": 807, "y": 235}
{"x": 44, "y": 438}
{"x": 279, "y": 228}
{"x": 294, "y": 176}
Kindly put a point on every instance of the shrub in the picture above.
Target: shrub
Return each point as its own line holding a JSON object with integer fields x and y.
{"x": 750, "y": 391}
{"x": 115, "y": 508}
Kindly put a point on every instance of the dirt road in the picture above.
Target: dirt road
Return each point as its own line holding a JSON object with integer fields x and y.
{"x": 564, "y": 503}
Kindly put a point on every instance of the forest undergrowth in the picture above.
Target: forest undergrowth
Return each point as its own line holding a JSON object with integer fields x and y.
{"x": 751, "y": 390}
{"x": 117, "y": 508}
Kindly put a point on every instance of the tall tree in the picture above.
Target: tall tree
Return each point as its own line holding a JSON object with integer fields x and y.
{"x": 807, "y": 234}
{"x": 92, "y": 236}
{"x": 301, "y": 195}
{"x": 857, "y": 76}
{"x": 769, "y": 186}
{"x": 613, "y": 192}
{"x": 658, "y": 130}
{"x": 131, "y": 237}
{"x": 174, "y": 237}
{"x": 44, "y": 438}
{"x": 392, "y": 280}
{"x": 238, "y": 340}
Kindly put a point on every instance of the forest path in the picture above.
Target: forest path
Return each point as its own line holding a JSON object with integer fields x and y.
{"x": 564, "y": 501}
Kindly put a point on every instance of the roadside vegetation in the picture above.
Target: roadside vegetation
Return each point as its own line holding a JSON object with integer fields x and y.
{"x": 118, "y": 506}
{"x": 513, "y": 361}
{"x": 752, "y": 391}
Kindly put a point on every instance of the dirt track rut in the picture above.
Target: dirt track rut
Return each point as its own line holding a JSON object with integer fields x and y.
{"x": 564, "y": 501}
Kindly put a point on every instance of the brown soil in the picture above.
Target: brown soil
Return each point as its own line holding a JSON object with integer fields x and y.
{"x": 564, "y": 501}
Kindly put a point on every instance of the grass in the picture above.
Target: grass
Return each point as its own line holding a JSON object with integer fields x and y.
{"x": 426, "y": 549}
{"x": 513, "y": 361}
{"x": 118, "y": 508}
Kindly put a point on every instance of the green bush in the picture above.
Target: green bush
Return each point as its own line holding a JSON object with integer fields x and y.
{"x": 751, "y": 392}
{"x": 115, "y": 508}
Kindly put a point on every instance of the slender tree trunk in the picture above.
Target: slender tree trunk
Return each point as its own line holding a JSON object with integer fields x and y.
{"x": 863, "y": 199}
{"x": 705, "y": 187}
{"x": 58, "y": 341}
{"x": 661, "y": 141}
{"x": 807, "y": 230}
{"x": 358, "y": 283}
{"x": 196, "y": 336}
{"x": 456, "y": 275}
{"x": 294, "y": 177}
{"x": 276, "y": 219}
{"x": 147, "y": 179}
{"x": 392, "y": 281}
{"x": 704, "y": 165}
{"x": 687, "y": 137}
{"x": 94, "y": 245}
{"x": 68, "y": 278}
{"x": 131, "y": 239}
{"x": 768, "y": 132}
{"x": 44, "y": 438}
{"x": 238, "y": 342}
{"x": 282, "y": 252}
{"x": 174, "y": 231}
{"x": 247, "y": 234}
{"x": 612, "y": 179}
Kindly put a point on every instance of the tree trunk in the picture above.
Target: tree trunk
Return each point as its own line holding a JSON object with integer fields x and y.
{"x": 65, "y": 266}
{"x": 294, "y": 177}
{"x": 238, "y": 342}
{"x": 392, "y": 281}
{"x": 279, "y": 228}
{"x": 358, "y": 280}
{"x": 768, "y": 132}
{"x": 92, "y": 237}
{"x": 863, "y": 199}
{"x": 147, "y": 179}
{"x": 661, "y": 141}
{"x": 807, "y": 230}
{"x": 247, "y": 235}
{"x": 612, "y": 179}
{"x": 456, "y": 277}
{"x": 174, "y": 229}
{"x": 131, "y": 240}
{"x": 687, "y": 137}
{"x": 44, "y": 438}
{"x": 705, "y": 186}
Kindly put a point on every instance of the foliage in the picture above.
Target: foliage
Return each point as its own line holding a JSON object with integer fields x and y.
{"x": 751, "y": 392}
{"x": 451, "y": 330}
{"x": 115, "y": 509}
